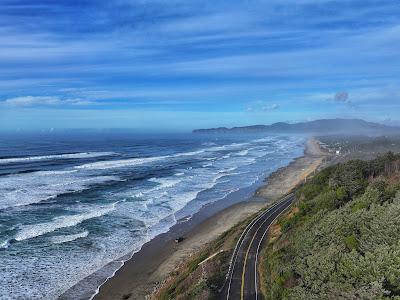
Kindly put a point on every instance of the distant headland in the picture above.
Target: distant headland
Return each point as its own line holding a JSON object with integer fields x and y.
{"x": 322, "y": 126}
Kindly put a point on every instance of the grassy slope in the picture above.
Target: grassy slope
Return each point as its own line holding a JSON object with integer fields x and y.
{"x": 191, "y": 281}
{"x": 342, "y": 239}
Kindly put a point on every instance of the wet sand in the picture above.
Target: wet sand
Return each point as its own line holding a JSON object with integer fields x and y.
{"x": 286, "y": 179}
{"x": 159, "y": 257}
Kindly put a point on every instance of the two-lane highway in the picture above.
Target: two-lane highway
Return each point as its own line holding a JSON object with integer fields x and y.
{"x": 242, "y": 280}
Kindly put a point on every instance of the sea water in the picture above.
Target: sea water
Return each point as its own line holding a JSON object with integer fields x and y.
{"x": 73, "y": 203}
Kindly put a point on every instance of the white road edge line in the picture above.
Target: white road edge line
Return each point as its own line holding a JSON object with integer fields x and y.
{"x": 259, "y": 227}
{"x": 258, "y": 249}
{"x": 240, "y": 241}
{"x": 243, "y": 235}
{"x": 278, "y": 207}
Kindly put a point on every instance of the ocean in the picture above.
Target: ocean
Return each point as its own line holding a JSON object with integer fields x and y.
{"x": 72, "y": 203}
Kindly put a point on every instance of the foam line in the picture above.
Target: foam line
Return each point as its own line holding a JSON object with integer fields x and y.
{"x": 35, "y": 230}
{"x": 60, "y": 239}
{"x": 55, "y": 157}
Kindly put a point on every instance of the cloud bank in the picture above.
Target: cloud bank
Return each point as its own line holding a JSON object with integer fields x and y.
{"x": 201, "y": 56}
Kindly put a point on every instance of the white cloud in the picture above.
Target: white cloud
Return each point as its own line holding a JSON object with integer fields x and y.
{"x": 33, "y": 100}
{"x": 262, "y": 106}
{"x": 270, "y": 107}
{"x": 29, "y": 101}
{"x": 78, "y": 101}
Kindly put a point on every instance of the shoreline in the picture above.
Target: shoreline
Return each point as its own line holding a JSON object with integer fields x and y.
{"x": 140, "y": 274}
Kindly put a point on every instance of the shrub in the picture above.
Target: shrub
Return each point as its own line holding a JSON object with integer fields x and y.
{"x": 288, "y": 222}
{"x": 309, "y": 191}
{"x": 351, "y": 242}
{"x": 341, "y": 194}
{"x": 345, "y": 241}
{"x": 349, "y": 176}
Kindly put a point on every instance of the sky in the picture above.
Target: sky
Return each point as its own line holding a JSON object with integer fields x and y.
{"x": 182, "y": 64}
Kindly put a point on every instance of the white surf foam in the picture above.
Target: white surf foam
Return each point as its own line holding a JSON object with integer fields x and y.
{"x": 227, "y": 147}
{"x": 264, "y": 140}
{"x": 55, "y": 271}
{"x": 61, "y": 172}
{"x": 30, "y": 188}
{"x": 191, "y": 153}
{"x": 35, "y": 230}
{"x": 131, "y": 162}
{"x": 243, "y": 152}
{"x": 55, "y": 157}
{"x": 173, "y": 193}
{"x": 60, "y": 239}
{"x": 112, "y": 164}
{"x": 164, "y": 182}
{"x": 227, "y": 171}
{"x": 207, "y": 165}
{"x": 4, "y": 244}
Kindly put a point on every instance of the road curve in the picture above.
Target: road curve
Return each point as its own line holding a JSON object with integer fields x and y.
{"x": 242, "y": 282}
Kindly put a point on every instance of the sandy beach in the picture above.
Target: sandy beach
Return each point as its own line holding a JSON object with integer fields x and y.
{"x": 159, "y": 257}
{"x": 286, "y": 179}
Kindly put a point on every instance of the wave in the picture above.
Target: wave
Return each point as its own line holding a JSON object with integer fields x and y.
{"x": 35, "y": 230}
{"x": 207, "y": 165}
{"x": 61, "y": 172}
{"x": 208, "y": 144}
{"x": 188, "y": 153}
{"x": 227, "y": 147}
{"x": 228, "y": 170}
{"x": 30, "y": 188}
{"x": 263, "y": 140}
{"x": 112, "y": 164}
{"x": 69, "y": 238}
{"x": 223, "y": 173}
{"x": 164, "y": 182}
{"x": 169, "y": 196}
{"x": 173, "y": 193}
{"x": 243, "y": 152}
{"x": 131, "y": 162}
{"x": 4, "y": 244}
{"x": 55, "y": 157}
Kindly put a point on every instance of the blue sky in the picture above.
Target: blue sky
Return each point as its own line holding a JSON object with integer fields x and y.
{"x": 181, "y": 64}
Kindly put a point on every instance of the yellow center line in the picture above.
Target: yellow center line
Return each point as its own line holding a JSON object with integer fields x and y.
{"x": 248, "y": 250}
{"x": 244, "y": 265}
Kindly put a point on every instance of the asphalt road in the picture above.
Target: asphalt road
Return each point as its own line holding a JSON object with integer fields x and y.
{"x": 242, "y": 280}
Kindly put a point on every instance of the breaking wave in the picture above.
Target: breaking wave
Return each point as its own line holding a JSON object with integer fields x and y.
{"x": 35, "y": 230}
{"x": 55, "y": 157}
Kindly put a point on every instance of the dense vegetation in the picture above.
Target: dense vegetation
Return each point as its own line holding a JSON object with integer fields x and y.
{"x": 342, "y": 239}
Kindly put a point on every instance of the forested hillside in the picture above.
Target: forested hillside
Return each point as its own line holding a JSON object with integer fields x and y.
{"x": 342, "y": 238}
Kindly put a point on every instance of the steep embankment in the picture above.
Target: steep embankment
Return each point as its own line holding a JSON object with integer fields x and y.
{"x": 342, "y": 238}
